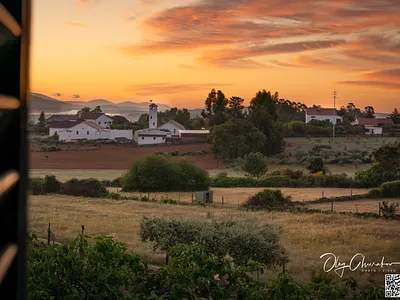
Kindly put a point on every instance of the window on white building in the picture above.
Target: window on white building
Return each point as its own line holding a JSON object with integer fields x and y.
{"x": 312, "y": 117}
{"x": 151, "y": 117}
{"x": 174, "y": 130}
{"x": 77, "y": 132}
{"x": 154, "y": 138}
{"x": 154, "y": 123}
{"x": 163, "y": 138}
{"x": 87, "y": 132}
{"x": 142, "y": 137}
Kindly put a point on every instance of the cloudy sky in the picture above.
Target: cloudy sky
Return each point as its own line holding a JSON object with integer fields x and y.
{"x": 175, "y": 51}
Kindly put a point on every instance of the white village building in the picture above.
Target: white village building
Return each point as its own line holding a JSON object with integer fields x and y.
{"x": 78, "y": 130}
{"x": 167, "y": 132}
{"x": 99, "y": 118}
{"x": 323, "y": 114}
{"x": 373, "y": 125}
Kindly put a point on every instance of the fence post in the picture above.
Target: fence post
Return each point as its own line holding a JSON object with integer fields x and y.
{"x": 222, "y": 200}
{"x": 332, "y": 206}
{"x": 192, "y": 197}
{"x": 48, "y": 234}
{"x": 379, "y": 209}
{"x": 83, "y": 229}
{"x": 357, "y": 208}
{"x": 323, "y": 194}
{"x": 351, "y": 193}
{"x": 238, "y": 203}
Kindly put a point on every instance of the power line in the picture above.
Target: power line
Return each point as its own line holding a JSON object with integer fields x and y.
{"x": 334, "y": 112}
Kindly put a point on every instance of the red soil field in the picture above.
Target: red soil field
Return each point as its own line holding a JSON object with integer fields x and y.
{"x": 111, "y": 156}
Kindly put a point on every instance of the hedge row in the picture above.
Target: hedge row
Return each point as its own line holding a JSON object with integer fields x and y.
{"x": 306, "y": 181}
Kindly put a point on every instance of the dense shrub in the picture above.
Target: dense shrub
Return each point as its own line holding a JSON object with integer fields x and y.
{"x": 268, "y": 199}
{"x": 389, "y": 210}
{"x": 164, "y": 173}
{"x": 390, "y": 189}
{"x": 376, "y": 176}
{"x": 117, "y": 182}
{"x": 291, "y": 173}
{"x": 85, "y": 188}
{"x": 51, "y": 184}
{"x": 36, "y": 186}
{"x": 316, "y": 164}
{"x": 49, "y": 149}
{"x": 255, "y": 164}
{"x": 221, "y": 238}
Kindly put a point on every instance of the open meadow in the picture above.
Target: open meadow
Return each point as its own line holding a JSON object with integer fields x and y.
{"x": 235, "y": 196}
{"x": 304, "y": 236}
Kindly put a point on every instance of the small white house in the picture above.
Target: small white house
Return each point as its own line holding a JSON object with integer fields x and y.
{"x": 75, "y": 130}
{"x": 373, "y": 125}
{"x": 150, "y": 137}
{"x": 99, "y": 118}
{"x": 323, "y": 114}
{"x": 172, "y": 127}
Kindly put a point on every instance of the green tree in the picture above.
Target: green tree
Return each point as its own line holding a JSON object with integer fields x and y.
{"x": 263, "y": 115}
{"x": 215, "y": 108}
{"x": 255, "y": 164}
{"x": 42, "y": 120}
{"x": 97, "y": 109}
{"x": 395, "y": 116}
{"x": 236, "y": 107}
{"x": 369, "y": 112}
{"x": 183, "y": 117}
{"x": 41, "y": 126}
{"x": 297, "y": 127}
{"x": 316, "y": 165}
{"x": 234, "y": 139}
{"x": 84, "y": 110}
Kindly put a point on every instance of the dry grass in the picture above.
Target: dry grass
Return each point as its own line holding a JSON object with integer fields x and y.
{"x": 363, "y": 205}
{"x": 305, "y": 236}
{"x": 239, "y": 195}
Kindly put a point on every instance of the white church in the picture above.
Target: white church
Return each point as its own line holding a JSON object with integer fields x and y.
{"x": 170, "y": 130}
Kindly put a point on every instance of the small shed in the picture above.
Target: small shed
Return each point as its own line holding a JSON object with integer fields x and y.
{"x": 204, "y": 196}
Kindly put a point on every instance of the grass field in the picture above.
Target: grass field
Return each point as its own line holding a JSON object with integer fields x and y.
{"x": 366, "y": 205}
{"x": 304, "y": 236}
{"x": 234, "y": 196}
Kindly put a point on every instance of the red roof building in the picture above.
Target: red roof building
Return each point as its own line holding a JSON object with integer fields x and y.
{"x": 373, "y": 121}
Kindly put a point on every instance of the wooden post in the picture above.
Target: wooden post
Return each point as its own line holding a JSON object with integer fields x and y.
{"x": 351, "y": 192}
{"x": 83, "y": 229}
{"x": 357, "y": 208}
{"x": 323, "y": 194}
{"x": 48, "y": 234}
{"x": 332, "y": 206}
{"x": 222, "y": 200}
{"x": 379, "y": 209}
{"x": 192, "y": 197}
{"x": 238, "y": 203}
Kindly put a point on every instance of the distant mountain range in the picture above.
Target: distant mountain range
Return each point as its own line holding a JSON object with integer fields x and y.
{"x": 131, "y": 110}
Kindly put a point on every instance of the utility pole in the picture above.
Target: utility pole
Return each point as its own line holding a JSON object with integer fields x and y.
{"x": 334, "y": 113}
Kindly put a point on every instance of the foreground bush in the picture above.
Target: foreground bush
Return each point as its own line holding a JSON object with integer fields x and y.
{"x": 100, "y": 268}
{"x": 243, "y": 242}
{"x": 48, "y": 185}
{"x": 160, "y": 173}
{"x": 390, "y": 189}
{"x": 36, "y": 186}
{"x": 84, "y": 188}
{"x": 268, "y": 199}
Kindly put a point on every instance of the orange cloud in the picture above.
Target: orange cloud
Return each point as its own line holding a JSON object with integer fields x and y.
{"x": 378, "y": 84}
{"x": 387, "y": 74}
{"x": 171, "y": 88}
{"x": 233, "y": 32}
{"x": 75, "y": 24}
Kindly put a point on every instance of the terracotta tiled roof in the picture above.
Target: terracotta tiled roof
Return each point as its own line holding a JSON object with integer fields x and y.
{"x": 94, "y": 125}
{"x": 63, "y": 124}
{"x": 320, "y": 111}
{"x": 374, "y": 121}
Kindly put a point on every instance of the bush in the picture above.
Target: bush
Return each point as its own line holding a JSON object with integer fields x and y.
{"x": 390, "y": 189}
{"x": 36, "y": 186}
{"x": 168, "y": 201}
{"x": 316, "y": 165}
{"x": 115, "y": 196}
{"x": 376, "y": 176}
{"x": 271, "y": 181}
{"x": 51, "y": 184}
{"x": 268, "y": 199}
{"x": 389, "y": 210}
{"x": 255, "y": 164}
{"x": 85, "y": 188}
{"x": 291, "y": 173}
{"x": 159, "y": 173}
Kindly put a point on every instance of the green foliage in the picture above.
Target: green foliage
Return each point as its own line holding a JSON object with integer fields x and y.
{"x": 316, "y": 165}
{"x": 85, "y": 188}
{"x": 234, "y": 139}
{"x": 257, "y": 243}
{"x": 51, "y": 184}
{"x": 296, "y": 128}
{"x": 166, "y": 200}
{"x": 36, "y": 186}
{"x": 288, "y": 172}
{"x": 164, "y": 173}
{"x": 194, "y": 273}
{"x": 101, "y": 269}
{"x": 255, "y": 164}
{"x": 390, "y": 189}
{"x": 55, "y": 136}
{"x": 268, "y": 199}
{"x": 389, "y": 210}
{"x": 215, "y": 108}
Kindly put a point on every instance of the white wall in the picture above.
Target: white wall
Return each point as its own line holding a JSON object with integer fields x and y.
{"x": 149, "y": 140}
{"x": 324, "y": 118}
{"x": 153, "y": 116}
{"x": 80, "y": 131}
{"x": 103, "y": 121}
{"x": 373, "y": 129}
{"x": 121, "y": 133}
{"x": 171, "y": 127}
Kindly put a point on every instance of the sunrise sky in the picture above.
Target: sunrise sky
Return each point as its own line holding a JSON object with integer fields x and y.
{"x": 175, "y": 51}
